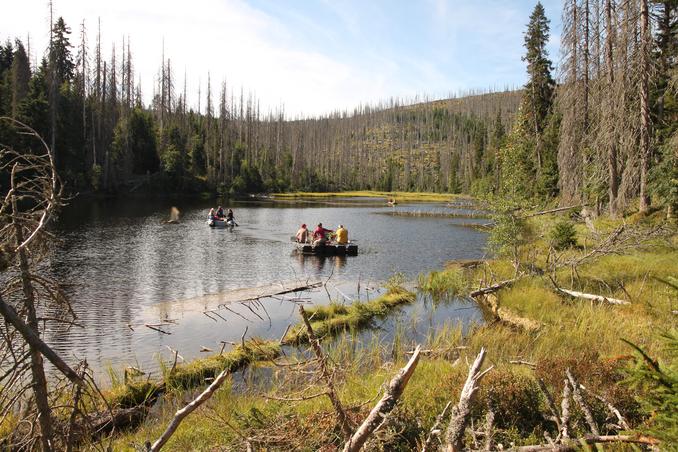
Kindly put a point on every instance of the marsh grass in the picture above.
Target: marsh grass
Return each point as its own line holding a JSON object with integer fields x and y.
{"x": 336, "y": 318}
{"x": 137, "y": 391}
{"x": 449, "y": 282}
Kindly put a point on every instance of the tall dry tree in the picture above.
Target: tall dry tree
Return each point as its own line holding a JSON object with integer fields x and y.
{"x": 644, "y": 68}
{"x": 30, "y": 302}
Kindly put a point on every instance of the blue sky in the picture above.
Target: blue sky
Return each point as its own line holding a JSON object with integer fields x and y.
{"x": 312, "y": 56}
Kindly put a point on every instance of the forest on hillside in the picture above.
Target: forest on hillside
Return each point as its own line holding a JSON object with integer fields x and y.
{"x": 601, "y": 131}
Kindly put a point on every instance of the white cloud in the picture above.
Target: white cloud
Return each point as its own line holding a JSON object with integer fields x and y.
{"x": 228, "y": 39}
{"x": 289, "y": 56}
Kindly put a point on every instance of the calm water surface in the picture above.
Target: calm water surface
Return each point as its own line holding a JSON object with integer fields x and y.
{"x": 123, "y": 268}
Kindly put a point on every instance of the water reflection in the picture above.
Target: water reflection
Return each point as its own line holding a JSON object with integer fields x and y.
{"x": 317, "y": 264}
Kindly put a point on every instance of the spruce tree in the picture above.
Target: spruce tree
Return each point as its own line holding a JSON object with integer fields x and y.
{"x": 538, "y": 94}
{"x": 61, "y": 58}
{"x": 20, "y": 76}
{"x": 526, "y": 156}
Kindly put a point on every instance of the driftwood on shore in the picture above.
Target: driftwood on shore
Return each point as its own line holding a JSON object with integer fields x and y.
{"x": 592, "y": 297}
{"x": 381, "y": 410}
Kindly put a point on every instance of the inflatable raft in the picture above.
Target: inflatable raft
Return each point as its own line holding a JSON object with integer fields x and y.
{"x": 350, "y": 249}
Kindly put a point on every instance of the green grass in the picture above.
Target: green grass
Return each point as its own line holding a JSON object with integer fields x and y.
{"x": 448, "y": 282}
{"x": 336, "y": 318}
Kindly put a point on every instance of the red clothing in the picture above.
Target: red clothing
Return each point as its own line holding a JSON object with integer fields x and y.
{"x": 319, "y": 233}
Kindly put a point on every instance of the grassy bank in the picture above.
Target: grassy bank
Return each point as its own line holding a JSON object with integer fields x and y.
{"x": 576, "y": 334}
{"x": 399, "y": 196}
{"x": 336, "y": 318}
{"x": 190, "y": 375}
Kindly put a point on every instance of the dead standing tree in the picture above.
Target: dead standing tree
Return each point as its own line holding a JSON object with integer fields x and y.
{"x": 27, "y": 299}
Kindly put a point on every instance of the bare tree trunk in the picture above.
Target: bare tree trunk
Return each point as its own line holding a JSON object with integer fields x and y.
{"x": 586, "y": 65}
{"x": 644, "y": 204}
{"x": 37, "y": 367}
{"x": 613, "y": 185}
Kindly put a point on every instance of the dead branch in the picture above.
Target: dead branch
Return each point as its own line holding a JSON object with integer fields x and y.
{"x": 282, "y": 338}
{"x": 242, "y": 338}
{"x": 32, "y": 338}
{"x": 382, "y": 409}
{"x": 489, "y": 426}
{"x": 156, "y": 329}
{"x": 523, "y": 363}
{"x": 613, "y": 410}
{"x": 326, "y": 376}
{"x": 461, "y": 412}
{"x": 435, "y": 429}
{"x": 550, "y": 404}
{"x": 188, "y": 409}
{"x": 577, "y": 396}
{"x": 565, "y": 411}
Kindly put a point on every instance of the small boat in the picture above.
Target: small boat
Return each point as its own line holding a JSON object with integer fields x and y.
{"x": 331, "y": 249}
{"x": 217, "y": 223}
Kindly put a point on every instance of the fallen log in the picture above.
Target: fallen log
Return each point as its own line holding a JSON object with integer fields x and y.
{"x": 461, "y": 412}
{"x": 592, "y": 297}
{"x": 493, "y": 288}
{"x": 576, "y": 443}
{"x": 507, "y": 316}
{"x": 559, "y": 209}
{"x": 116, "y": 420}
{"x": 384, "y": 406}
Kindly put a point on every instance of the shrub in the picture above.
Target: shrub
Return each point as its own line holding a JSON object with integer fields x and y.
{"x": 563, "y": 235}
{"x": 515, "y": 400}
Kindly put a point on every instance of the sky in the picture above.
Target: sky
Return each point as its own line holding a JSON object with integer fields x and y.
{"x": 312, "y": 56}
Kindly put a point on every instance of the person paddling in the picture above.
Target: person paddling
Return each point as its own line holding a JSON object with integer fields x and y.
{"x": 320, "y": 235}
{"x": 230, "y": 218}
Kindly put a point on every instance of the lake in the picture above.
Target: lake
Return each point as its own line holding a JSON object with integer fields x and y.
{"x": 123, "y": 268}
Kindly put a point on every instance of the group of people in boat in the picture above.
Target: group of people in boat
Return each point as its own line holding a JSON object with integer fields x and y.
{"x": 220, "y": 215}
{"x": 321, "y": 236}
